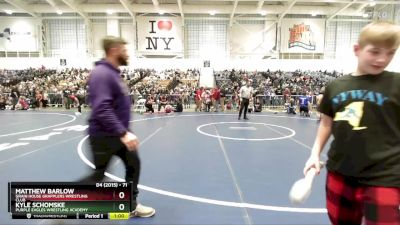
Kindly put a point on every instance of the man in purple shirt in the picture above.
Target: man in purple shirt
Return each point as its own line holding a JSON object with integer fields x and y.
{"x": 109, "y": 132}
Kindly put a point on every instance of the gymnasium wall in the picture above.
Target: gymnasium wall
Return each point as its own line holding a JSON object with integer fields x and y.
{"x": 241, "y": 46}
{"x": 19, "y": 34}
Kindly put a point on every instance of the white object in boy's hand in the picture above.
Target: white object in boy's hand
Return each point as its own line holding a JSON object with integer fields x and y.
{"x": 301, "y": 189}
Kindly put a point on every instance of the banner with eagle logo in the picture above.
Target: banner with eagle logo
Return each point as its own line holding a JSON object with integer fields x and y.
{"x": 302, "y": 35}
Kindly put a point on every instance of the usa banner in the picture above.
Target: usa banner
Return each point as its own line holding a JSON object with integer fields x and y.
{"x": 302, "y": 35}
{"x": 159, "y": 35}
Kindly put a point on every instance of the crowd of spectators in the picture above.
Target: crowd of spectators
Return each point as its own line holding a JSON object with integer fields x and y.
{"x": 37, "y": 88}
{"x": 274, "y": 88}
{"x": 32, "y": 88}
{"x": 269, "y": 82}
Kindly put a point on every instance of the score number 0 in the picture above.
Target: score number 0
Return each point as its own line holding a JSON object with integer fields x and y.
{"x": 121, "y": 206}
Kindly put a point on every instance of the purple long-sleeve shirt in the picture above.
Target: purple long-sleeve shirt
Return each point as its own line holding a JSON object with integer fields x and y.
{"x": 110, "y": 101}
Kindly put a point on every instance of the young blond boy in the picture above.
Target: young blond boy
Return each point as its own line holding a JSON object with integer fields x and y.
{"x": 362, "y": 112}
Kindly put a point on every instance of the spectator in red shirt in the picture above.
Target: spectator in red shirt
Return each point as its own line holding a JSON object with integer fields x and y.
{"x": 216, "y": 95}
{"x": 198, "y": 99}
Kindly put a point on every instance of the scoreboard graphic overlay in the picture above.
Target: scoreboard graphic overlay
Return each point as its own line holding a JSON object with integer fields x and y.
{"x": 66, "y": 200}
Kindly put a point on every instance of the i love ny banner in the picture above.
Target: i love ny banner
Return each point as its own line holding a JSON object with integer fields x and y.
{"x": 159, "y": 35}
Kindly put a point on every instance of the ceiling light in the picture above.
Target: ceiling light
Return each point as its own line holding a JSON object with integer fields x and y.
{"x": 365, "y": 15}
{"x": 59, "y": 12}
{"x": 9, "y": 12}
{"x": 313, "y": 14}
{"x": 161, "y": 12}
{"x": 212, "y": 13}
{"x": 263, "y": 13}
{"x": 109, "y": 12}
{"x": 372, "y": 4}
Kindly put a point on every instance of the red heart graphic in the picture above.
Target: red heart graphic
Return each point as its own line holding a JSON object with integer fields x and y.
{"x": 164, "y": 25}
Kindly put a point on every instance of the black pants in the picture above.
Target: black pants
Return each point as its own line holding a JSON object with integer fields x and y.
{"x": 103, "y": 148}
{"x": 244, "y": 104}
{"x": 304, "y": 109}
{"x": 44, "y": 103}
{"x": 81, "y": 100}
{"x": 149, "y": 107}
{"x": 14, "y": 102}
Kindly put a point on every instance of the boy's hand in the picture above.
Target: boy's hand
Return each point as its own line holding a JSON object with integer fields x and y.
{"x": 312, "y": 162}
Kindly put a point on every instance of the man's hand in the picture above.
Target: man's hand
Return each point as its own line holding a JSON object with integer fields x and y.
{"x": 130, "y": 141}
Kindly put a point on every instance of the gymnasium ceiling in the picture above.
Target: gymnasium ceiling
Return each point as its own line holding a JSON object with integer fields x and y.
{"x": 228, "y": 8}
